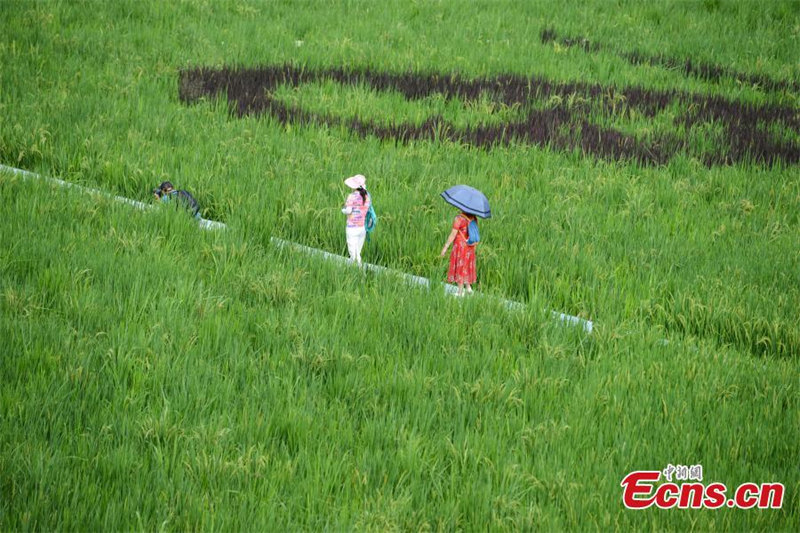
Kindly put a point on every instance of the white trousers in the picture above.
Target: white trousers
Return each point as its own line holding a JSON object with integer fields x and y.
{"x": 355, "y": 242}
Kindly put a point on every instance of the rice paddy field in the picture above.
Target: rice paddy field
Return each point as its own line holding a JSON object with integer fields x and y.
{"x": 642, "y": 161}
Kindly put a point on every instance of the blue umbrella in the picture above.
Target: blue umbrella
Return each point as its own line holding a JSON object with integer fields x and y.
{"x": 468, "y": 199}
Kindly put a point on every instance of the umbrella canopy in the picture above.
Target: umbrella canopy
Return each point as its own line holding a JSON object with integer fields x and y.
{"x": 468, "y": 199}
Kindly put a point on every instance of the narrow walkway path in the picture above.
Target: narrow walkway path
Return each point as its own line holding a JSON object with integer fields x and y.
{"x": 586, "y": 325}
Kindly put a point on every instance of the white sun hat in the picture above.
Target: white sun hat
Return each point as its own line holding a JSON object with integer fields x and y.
{"x": 354, "y": 182}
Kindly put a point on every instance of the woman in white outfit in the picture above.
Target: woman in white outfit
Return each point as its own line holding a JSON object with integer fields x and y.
{"x": 356, "y": 207}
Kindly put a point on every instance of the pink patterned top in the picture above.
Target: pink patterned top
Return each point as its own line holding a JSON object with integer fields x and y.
{"x": 356, "y": 210}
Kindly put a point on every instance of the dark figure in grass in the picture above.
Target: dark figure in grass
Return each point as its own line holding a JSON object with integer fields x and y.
{"x": 167, "y": 193}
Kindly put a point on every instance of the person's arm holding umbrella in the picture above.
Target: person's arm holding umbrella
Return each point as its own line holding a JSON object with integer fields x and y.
{"x": 468, "y": 200}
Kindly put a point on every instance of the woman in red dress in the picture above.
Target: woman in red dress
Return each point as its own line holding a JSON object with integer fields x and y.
{"x": 462, "y": 258}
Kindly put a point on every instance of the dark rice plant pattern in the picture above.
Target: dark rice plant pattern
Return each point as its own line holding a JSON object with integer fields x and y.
{"x": 704, "y": 71}
{"x": 550, "y": 118}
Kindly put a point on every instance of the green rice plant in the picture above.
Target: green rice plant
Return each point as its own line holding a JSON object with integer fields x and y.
{"x": 157, "y": 376}
{"x": 219, "y": 374}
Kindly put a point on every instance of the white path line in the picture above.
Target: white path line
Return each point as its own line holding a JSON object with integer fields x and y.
{"x": 587, "y": 325}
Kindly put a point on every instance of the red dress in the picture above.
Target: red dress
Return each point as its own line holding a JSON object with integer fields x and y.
{"x": 462, "y": 258}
